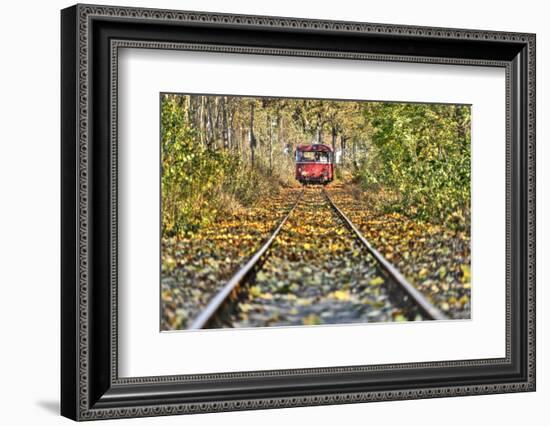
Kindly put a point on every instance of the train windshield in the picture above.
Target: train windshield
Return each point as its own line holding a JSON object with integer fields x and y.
{"x": 313, "y": 157}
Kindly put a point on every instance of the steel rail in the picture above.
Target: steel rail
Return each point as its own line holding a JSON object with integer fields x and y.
{"x": 423, "y": 304}
{"x": 218, "y": 300}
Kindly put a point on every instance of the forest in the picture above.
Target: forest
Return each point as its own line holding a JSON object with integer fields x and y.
{"x": 224, "y": 153}
{"x": 402, "y": 174}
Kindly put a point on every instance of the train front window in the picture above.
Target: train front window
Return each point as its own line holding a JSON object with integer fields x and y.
{"x": 314, "y": 157}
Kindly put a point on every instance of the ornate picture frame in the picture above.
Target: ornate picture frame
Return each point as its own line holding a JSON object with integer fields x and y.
{"x": 91, "y": 37}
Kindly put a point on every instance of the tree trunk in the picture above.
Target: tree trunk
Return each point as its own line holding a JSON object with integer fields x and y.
{"x": 252, "y": 138}
{"x": 191, "y": 111}
{"x": 270, "y": 144}
{"x": 242, "y": 145}
{"x": 216, "y": 122}
{"x": 343, "y": 140}
{"x": 280, "y": 130}
{"x": 319, "y": 129}
{"x": 209, "y": 124}
{"x": 225, "y": 127}
{"x": 201, "y": 119}
{"x": 230, "y": 135}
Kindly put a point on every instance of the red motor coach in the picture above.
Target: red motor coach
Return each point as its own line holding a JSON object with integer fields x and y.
{"x": 314, "y": 164}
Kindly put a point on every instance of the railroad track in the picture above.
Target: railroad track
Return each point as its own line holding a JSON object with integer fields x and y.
{"x": 397, "y": 291}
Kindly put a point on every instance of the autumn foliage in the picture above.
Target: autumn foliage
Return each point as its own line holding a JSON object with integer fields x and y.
{"x": 224, "y": 152}
{"x": 418, "y": 159}
{"x": 403, "y": 175}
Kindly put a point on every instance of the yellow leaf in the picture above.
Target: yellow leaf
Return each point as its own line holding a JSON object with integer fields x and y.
{"x": 465, "y": 273}
{"x": 245, "y": 307}
{"x": 169, "y": 263}
{"x": 341, "y": 295}
{"x": 376, "y": 281}
{"x": 255, "y": 291}
{"x": 167, "y": 295}
{"x": 463, "y": 300}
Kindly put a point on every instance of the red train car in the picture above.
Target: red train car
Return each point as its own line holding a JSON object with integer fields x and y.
{"x": 314, "y": 164}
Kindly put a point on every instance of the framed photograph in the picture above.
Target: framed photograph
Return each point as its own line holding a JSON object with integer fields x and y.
{"x": 263, "y": 212}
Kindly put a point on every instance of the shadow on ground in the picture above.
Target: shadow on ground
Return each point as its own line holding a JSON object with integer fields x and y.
{"x": 50, "y": 406}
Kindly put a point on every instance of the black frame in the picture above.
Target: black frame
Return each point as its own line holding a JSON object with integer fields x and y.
{"x": 91, "y": 37}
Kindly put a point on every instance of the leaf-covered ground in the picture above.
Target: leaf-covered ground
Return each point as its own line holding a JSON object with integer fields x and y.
{"x": 316, "y": 273}
{"x": 196, "y": 266}
{"x": 433, "y": 258}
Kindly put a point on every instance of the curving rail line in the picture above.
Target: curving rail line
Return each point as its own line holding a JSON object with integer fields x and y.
{"x": 400, "y": 284}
